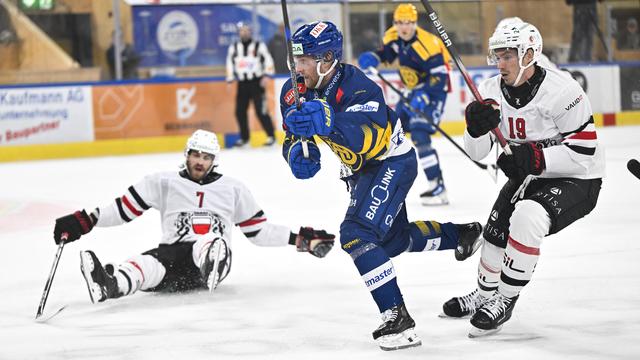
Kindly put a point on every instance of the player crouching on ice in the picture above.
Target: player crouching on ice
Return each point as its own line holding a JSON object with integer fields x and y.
{"x": 198, "y": 207}
{"x": 347, "y": 110}
{"x": 555, "y": 171}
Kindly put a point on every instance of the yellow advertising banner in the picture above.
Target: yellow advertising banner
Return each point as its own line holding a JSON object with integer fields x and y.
{"x": 164, "y": 109}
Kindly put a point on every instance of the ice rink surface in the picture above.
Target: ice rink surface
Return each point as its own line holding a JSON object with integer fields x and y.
{"x": 583, "y": 302}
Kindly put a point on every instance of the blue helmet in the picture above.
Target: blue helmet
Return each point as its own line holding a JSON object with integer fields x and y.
{"x": 316, "y": 39}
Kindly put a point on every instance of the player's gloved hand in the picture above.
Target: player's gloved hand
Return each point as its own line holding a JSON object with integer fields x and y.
{"x": 317, "y": 242}
{"x": 368, "y": 59}
{"x": 70, "y": 227}
{"x": 419, "y": 100}
{"x": 481, "y": 117}
{"x": 526, "y": 159}
{"x": 315, "y": 117}
{"x": 301, "y": 167}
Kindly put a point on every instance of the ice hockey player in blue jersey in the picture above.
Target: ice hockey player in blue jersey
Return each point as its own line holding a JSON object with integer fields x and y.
{"x": 341, "y": 106}
{"x": 424, "y": 70}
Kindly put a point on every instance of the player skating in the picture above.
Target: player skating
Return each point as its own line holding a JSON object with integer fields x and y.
{"x": 344, "y": 108}
{"x": 424, "y": 70}
{"x": 554, "y": 174}
{"x": 198, "y": 208}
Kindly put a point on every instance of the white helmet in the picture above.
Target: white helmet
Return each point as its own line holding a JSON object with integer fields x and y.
{"x": 516, "y": 35}
{"x": 508, "y": 21}
{"x": 205, "y": 142}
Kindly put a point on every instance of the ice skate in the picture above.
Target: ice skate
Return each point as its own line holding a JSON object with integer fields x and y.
{"x": 101, "y": 284}
{"x": 436, "y": 196}
{"x": 397, "y": 330}
{"x": 492, "y": 315}
{"x": 241, "y": 144}
{"x": 469, "y": 240}
{"x": 216, "y": 263}
{"x": 270, "y": 141}
{"x": 463, "y": 306}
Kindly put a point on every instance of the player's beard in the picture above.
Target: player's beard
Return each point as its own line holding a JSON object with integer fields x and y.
{"x": 197, "y": 171}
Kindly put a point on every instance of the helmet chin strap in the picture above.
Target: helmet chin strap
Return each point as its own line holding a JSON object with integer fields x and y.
{"x": 522, "y": 69}
{"x": 322, "y": 75}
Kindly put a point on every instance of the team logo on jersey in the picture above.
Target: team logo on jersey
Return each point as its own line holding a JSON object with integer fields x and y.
{"x": 555, "y": 191}
{"x": 289, "y": 97}
{"x": 200, "y": 223}
{"x": 348, "y": 157}
{"x": 409, "y": 76}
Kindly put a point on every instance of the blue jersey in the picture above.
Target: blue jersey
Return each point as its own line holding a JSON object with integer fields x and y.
{"x": 366, "y": 131}
{"x": 424, "y": 60}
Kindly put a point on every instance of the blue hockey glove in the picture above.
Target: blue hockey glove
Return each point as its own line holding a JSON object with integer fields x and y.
{"x": 367, "y": 59}
{"x": 315, "y": 117}
{"x": 419, "y": 100}
{"x": 301, "y": 167}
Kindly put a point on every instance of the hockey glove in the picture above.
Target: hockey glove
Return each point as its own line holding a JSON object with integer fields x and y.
{"x": 368, "y": 59}
{"x": 481, "y": 117}
{"x": 70, "y": 227}
{"x": 317, "y": 242}
{"x": 315, "y": 117}
{"x": 419, "y": 100}
{"x": 301, "y": 167}
{"x": 526, "y": 159}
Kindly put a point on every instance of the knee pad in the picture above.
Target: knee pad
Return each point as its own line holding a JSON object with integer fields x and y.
{"x": 530, "y": 223}
{"x": 356, "y": 239}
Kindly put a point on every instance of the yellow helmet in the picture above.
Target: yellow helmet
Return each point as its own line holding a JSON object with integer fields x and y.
{"x": 405, "y": 12}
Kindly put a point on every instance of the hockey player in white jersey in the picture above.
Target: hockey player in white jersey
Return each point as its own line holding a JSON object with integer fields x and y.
{"x": 198, "y": 208}
{"x": 554, "y": 174}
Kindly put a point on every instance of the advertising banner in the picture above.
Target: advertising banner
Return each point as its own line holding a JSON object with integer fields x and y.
{"x": 630, "y": 88}
{"x": 45, "y": 115}
{"x": 130, "y": 111}
{"x": 200, "y": 34}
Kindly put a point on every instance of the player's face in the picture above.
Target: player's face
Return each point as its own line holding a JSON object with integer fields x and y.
{"x": 307, "y": 67}
{"x": 198, "y": 164}
{"x": 406, "y": 29}
{"x": 245, "y": 33}
{"x": 508, "y": 64}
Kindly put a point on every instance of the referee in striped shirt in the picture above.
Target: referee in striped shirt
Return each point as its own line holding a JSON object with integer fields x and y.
{"x": 249, "y": 62}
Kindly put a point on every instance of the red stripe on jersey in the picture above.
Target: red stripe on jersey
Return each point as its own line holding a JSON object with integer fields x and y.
{"x": 523, "y": 248}
{"x": 135, "y": 264}
{"x": 135, "y": 211}
{"x": 584, "y": 135}
{"x": 252, "y": 221}
{"x": 339, "y": 95}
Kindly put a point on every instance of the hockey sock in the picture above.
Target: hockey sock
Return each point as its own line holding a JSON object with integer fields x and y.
{"x": 377, "y": 272}
{"x": 432, "y": 235}
{"x": 529, "y": 224}
{"x": 139, "y": 273}
{"x": 489, "y": 269}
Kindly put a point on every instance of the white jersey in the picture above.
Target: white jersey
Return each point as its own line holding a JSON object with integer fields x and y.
{"x": 189, "y": 210}
{"x": 558, "y": 118}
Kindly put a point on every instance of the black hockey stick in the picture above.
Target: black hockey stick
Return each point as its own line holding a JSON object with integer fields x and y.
{"x": 292, "y": 70}
{"x": 437, "y": 24}
{"x": 491, "y": 168}
{"x": 52, "y": 273}
{"x": 634, "y": 167}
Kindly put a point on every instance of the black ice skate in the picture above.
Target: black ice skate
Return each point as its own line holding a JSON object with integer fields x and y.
{"x": 396, "y": 331}
{"x": 216, "y": 264}
{"x": 463, "y": 306}
{"x": 490, "y": 317}
{"x": 469, "y": 240}
{"x": 101, "y": 284}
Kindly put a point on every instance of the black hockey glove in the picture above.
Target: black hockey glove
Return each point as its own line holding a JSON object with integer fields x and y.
{"x": 317, "y": 242}
{"x": 526, "y": 159}
{"x": 70, "y": 227}
{"x": 481, "y": 117}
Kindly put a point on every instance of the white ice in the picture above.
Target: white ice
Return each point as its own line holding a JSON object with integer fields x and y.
{"x": 583, "y": 302}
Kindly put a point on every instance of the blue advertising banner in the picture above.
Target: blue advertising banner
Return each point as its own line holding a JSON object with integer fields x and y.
{"x": 188, "y": 35}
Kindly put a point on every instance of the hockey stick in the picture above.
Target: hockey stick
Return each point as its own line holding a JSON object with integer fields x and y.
{"x": 437, "y": 24}
{"x": 491, "y": 168}
{"x": 52, "y": 273}
{"x": 292, "y": 70}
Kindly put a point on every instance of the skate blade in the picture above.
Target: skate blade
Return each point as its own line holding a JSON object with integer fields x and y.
{"x": 442, "y": 315}
{"x": 404, "y": 340}
{"x": 434, "y": 202}
{"x": 87, "y": 266}
{"x": 476, "y": 332}
{"x": 215, "y": 253}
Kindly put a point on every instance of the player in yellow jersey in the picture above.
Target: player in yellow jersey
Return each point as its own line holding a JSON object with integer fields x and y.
{"x": 424, "y": 70}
